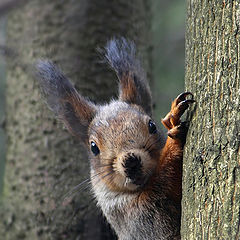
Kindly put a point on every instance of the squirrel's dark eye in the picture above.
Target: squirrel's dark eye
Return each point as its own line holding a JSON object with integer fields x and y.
{"x": 152, "y": 127}
{"x": 94, "y": 148}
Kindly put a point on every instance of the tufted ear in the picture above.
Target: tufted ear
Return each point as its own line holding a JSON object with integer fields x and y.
{"x": 62, "y": 98}
{"x": 133, "y": 86}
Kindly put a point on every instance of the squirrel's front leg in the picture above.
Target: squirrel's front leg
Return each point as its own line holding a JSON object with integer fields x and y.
{"x": 172, "y": 121}
{"x": 170, "y": 163}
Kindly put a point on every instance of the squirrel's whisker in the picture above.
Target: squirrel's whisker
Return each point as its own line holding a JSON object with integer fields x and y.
{"x": 80, "y": 186}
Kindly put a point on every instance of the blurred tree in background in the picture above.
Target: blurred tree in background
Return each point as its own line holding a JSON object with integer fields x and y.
{"x": 168, "y": 29}
{"x": 41, "y": 156}
{"x": 43, "y": 162}
{"x": 2, "y": 100}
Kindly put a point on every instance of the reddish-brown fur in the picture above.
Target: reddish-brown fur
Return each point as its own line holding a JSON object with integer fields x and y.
{"x": 128, "y": 88}
{"x": 170, "y": 158}
{"x": 170, "y": 165}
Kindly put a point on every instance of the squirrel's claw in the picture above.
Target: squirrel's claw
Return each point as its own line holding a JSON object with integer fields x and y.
{"x": 179, "y": 105}
{"x": 182, "y": 106}
{"x": 182, "y": 96}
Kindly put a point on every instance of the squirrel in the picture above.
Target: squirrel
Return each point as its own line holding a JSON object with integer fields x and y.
{"x": 136, "y": 171}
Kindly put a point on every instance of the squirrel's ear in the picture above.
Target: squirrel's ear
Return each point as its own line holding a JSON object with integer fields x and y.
{"x": 133, "y": 86}
{"x": 74, "y": 110}
{"x": 134, "y": 91}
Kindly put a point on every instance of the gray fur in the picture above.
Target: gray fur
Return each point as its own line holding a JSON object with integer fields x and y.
{"x": 53, "y": 84}
{"x": 121, "y": 55}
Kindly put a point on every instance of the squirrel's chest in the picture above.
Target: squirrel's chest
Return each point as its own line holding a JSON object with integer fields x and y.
{"x": 123, "y": 215}
{"x": 133, "y": 220}
{"x": 117, "y": 208}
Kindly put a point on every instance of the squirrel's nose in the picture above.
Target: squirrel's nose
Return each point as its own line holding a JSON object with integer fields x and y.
{"x": 132, "y": 161}
{"x": 133, "y": 167}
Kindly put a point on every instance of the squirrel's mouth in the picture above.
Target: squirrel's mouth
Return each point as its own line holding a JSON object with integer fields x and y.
{"x": 138, "y": 182}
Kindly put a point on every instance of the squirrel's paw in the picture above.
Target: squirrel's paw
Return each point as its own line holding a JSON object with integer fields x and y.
{"x": 179, "y": 131}
{"x": 172, "y": 121}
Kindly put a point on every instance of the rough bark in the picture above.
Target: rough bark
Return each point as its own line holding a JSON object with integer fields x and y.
{"x": 211, "y": 176}
{"x": 43, "y": 162}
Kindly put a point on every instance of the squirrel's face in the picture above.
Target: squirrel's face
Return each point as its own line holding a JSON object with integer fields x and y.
{"x": 122, "y": 139}
{"x": 124, "y": 143}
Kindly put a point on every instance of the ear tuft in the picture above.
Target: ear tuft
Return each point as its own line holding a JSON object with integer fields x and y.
{"x": 133, "y": 86}
{"x": 121, "y": 56}
{"x": 62, "y": 98}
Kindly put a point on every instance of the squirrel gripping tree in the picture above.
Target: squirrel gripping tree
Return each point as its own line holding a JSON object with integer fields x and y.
{"x": 136, "y": 171}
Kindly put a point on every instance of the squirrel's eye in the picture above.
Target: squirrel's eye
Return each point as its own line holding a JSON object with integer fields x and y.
{"x": 94, "y": 148}
{"x": 152, "y": 127}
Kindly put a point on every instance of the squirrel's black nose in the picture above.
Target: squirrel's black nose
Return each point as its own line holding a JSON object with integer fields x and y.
{"x": 133, "y": 168}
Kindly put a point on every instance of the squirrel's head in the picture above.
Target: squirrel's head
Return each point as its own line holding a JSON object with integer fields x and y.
{"x": 121, "y": 137}
{"x": 123, "y": 142}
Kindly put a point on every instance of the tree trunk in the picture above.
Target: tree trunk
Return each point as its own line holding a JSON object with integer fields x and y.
{"x": 43, "y": 162}
{"x": 211, "y": 176}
